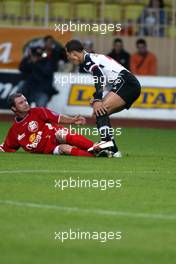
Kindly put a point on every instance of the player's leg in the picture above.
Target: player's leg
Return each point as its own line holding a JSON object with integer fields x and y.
{"x": 113, "y": 103}
{"x": 125, "y": 91}
{"x": 70, "y": 150}
{"x": 74, "y": 151}
{"x": 64, "y": 136}
{"x": 103, "y": 122}
{"x": 79, "y": 141}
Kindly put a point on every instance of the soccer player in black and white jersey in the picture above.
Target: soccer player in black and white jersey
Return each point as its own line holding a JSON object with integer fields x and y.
{"x": 123, "y": 90}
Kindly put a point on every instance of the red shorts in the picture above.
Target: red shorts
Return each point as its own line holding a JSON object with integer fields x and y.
{"x": 51, "y": 145}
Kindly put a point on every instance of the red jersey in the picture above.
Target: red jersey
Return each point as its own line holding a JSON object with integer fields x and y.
{"x": 34, "y": 133}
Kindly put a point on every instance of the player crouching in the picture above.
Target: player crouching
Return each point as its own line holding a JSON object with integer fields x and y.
{"x": 122, "y": 88}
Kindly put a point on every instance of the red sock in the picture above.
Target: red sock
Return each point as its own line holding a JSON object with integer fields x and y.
{"x": 79, "y": 141}
{"x": 80, "y": 152}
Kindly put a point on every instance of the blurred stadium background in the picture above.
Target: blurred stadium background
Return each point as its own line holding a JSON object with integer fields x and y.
{"x": 31, "y": 208}
{"x": 16, "y": 13}
{"x": 154, "y": 21}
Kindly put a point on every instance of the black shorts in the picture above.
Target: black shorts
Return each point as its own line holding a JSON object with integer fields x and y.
{"x": 127, "y": 87}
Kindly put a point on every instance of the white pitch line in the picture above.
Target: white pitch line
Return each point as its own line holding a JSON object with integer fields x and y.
{"x": 89, "y": 211}
{"x": 79, "y": 171}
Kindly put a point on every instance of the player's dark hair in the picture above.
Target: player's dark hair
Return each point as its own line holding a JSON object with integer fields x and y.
{"x": 11, "y": 99}
{"x": 118, "y": 40}
{"x": 141, "y": 41}
{"x": 74, "y": 45}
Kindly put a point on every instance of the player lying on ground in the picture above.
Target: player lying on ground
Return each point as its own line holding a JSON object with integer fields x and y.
{"x": 123, "y": 90}
{"x": 36, "y": 130}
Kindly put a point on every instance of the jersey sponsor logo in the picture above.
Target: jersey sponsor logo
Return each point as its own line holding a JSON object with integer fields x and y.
{"x": 32, "y": 137}
{"x": 36, "y": 141}
{"x": 20, "y": 137}
{"x": 33, "y": 126}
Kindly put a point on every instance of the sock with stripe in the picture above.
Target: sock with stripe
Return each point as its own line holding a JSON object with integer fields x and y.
{"x": 105, "y": 130}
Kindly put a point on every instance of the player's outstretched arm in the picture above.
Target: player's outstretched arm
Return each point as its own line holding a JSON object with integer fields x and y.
{"x": 49, "y": 116}
{"x": 1, "y": 148}
{"x": 4, "y": 148}
{"x": 78, "y": 119}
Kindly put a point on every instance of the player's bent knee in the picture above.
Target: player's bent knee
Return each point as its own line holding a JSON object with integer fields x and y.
{"x": 62, "y": 149}
{"x": 65, "y": 149}
{"x": 61, "y": 135}
{"x": 113, "y": 103}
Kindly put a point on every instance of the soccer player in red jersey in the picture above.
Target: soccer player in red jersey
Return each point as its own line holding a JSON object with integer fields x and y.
{"x": 38, "y": 130}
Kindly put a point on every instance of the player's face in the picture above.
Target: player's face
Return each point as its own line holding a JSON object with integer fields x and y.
{"x": 75, "y": 57}
{"x": 21, "y": 105}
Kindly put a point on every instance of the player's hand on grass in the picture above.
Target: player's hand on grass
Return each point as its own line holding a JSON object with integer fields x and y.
{"x": 1, "y": 148}
{"x": 99, "y": 108}
{"x": 79, "y": 120}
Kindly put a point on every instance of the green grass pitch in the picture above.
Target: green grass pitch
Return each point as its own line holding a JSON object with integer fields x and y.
{"x": 143, "y": 209}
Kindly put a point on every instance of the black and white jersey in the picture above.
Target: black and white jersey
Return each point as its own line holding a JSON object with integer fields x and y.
{"x": 104, "y": 69}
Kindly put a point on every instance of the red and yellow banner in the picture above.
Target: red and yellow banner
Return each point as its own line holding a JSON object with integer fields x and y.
{"x": 151, "y": 97}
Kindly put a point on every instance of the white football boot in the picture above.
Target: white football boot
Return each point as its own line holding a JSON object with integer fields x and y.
{"x": 117, "y": 154}
{"x": 101, "y": 145}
